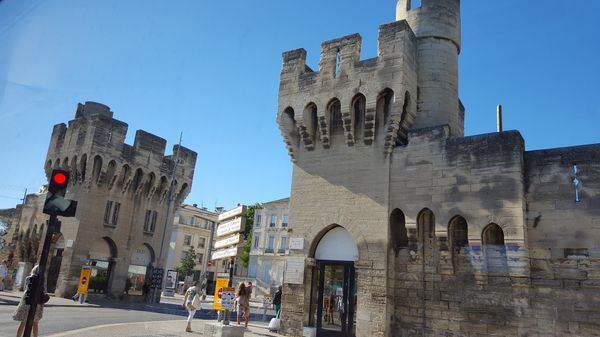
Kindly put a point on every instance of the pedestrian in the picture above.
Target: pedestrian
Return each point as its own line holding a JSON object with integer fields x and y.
{"x": 128, "y": 285}
{"x": 249, "y": 290}
{"x": 3, "y": 274}
{"x": 191, "y": 302}
{"x": 146, "y": 291}
{"x": 244, "y": 303}
{"x": 277, "y": 301}
{"x": 23, "y": 308}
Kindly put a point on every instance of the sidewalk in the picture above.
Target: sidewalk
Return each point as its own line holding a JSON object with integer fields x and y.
{"x": 162, "y": 329}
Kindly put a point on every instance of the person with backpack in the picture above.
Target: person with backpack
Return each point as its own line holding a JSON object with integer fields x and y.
{"x": 192, "y": 302}
{"x": 23, "y": 308}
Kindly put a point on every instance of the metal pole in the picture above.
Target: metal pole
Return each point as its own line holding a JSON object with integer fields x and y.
{"x": 53, "y": 225}
{"x": 169, "y": 204}
{"x": 231, "y": 263}
{"x": 205, "y": 264}
{"x": 499, "y": 118}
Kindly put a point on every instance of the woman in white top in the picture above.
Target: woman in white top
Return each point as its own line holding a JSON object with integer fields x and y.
{"x": 188, "y": 303}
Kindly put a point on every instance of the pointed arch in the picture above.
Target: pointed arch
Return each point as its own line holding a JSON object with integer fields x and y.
{"x": 311, "y": 122}
{"x": 96, "y": 168}
{"x": 334, "y": 110}
{"x": 48, "y": 167}
{"x": 458, "y": 234}
{"x": 398, "y": 234}
{"x": 74, "y": 170}
{"x": 65, "y": 164}
{"x": 57, "y": 163}
{"x": 82, "y": 167}
{"x": 492, "y": 238}
{"x": 124, "y": 175}
{"x": 289, "y": 128}
{"x": 426, "y": 224}
{"x": 149, "y": 183}
{"x": 111, "y": 170}
{"x": 359, "y": 108}
{"x": 385, "y": 100}
{"x": 137, "y": 179}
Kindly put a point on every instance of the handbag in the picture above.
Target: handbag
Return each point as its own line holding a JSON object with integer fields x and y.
{"x": 197, "y": 301}
{"x": 44, "y": 297}
{"x": 275, "y": 323}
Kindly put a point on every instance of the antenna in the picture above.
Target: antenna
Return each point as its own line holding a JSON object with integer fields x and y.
{"x": 499, "y": 118}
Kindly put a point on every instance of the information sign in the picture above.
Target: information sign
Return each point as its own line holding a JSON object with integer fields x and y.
{"x": 232, "y": 226}
{"x": 221, "y": 283}
{"x": 228, "y": 241}
{"x": 156, "y": 277}
{"x": 84, "y": 280}
{"x": 228, "y": 298}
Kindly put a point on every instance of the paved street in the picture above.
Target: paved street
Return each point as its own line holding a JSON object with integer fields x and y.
{"x": 62, "y": 315}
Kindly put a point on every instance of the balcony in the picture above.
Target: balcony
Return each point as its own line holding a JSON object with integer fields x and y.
{"x": 280, "y": 251}
{"x": 269, "y": 250}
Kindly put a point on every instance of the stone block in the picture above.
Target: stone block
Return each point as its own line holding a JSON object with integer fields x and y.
{"x": 220, "y": 330}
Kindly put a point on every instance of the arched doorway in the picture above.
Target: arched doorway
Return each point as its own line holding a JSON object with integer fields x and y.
{"x": 335, "y": 282}
{"x": 140, "y": 267}
{"x": 102, "y": 256}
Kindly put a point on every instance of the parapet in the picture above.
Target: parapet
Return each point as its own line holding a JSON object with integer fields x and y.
{"x": 95, "y": 139}
{"x": 308, "y": 98}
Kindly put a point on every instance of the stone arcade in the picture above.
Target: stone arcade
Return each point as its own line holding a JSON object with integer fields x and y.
{"x": 409, "y": 227}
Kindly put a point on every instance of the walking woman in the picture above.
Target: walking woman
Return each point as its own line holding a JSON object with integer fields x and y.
{"x": 191, "y": 302}
{"x": 243, "y": 304}
{"x": 23, "y": 308}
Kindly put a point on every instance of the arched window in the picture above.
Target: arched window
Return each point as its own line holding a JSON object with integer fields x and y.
{"x": 398, "y": 234}
{"x": 335, "y": 112}
{"x": 137, "y": 179}
{"x": 494, "y": 249}
{"x": 359, "y": 108}
{"x": 384, "y": 107}
{"x": 83, "y": 167}
{"x": 310, "y": 121}
{"x": 97, "y": 168}
{"x": 458, "y": 232}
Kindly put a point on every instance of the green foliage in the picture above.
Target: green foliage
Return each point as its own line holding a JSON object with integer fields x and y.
{"x": 187, "y": 265}
{"x": 247, "y": 235}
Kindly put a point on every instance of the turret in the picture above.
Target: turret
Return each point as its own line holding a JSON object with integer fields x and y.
{"x": 436, "y": 24}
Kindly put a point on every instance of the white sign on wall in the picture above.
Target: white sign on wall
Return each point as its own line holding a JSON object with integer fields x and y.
{"x": 296, "y": 243}
{"x": 294, "y": 271}
{"x": 229, "y": 241}
{"x": 231, "y": 213}
{"x": 233, "y": 226}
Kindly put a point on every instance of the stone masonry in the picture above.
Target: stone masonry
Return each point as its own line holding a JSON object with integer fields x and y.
{"x": 122, "y": 193}
{"x": 457, "y": 236}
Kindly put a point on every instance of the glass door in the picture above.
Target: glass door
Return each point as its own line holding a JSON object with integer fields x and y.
{"x": 336, "y": 299}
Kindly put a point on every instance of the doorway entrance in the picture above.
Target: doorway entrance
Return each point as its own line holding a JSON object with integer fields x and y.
{"x": 337, "y": 294}
{"x": 333, "y": 298}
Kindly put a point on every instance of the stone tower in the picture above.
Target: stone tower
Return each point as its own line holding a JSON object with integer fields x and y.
{"x": 436, "y": 25}
{"x": 404, "y": 227}
{"x": 123, "y": 197}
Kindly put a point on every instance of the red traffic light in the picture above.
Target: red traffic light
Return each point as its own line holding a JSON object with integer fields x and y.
{"x": 59, "y": 178}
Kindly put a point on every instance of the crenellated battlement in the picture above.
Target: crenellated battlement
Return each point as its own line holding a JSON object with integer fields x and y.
{"x": 93, "y": 149}
{"x": 350, "y": 100}
{"x": 412, "y": 83}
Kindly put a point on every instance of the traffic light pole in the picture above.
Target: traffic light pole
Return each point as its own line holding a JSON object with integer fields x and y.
{"x": 53, "y": 227}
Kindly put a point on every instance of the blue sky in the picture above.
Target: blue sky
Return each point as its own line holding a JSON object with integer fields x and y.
{"x": 210, "y": 69}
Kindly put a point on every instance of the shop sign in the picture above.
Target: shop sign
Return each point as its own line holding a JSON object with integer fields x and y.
{"x": 84, "y": 280}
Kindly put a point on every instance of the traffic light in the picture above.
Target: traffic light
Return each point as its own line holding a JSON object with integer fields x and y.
{"x": 56, "y": 204}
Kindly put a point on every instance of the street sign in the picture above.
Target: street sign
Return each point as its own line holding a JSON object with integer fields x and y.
{"x": 231, "y": 213}
{"x": 228, "y": 298}
{"x": 84, "y": 280}
{"x": 228, "y": 241}
{"x": 230, "y": 227}
{"x": 225, "y": 253}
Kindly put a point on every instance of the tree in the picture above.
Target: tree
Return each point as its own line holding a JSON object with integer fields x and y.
{"x": 247, "y": 235}
{"x": 187, "y": 264}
